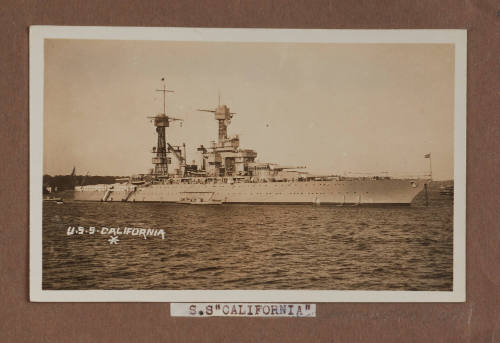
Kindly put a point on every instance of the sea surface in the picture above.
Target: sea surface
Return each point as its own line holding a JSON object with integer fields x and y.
{"x": 266, "y": 247}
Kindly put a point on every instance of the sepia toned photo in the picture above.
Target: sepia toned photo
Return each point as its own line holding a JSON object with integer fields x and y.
{"x": 247, "y": 165}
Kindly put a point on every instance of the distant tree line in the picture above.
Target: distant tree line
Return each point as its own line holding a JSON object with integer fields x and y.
{"x": 65, "y": 182}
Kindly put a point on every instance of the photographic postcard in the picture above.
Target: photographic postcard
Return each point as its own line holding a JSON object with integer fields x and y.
{"x": 247, "y": 165}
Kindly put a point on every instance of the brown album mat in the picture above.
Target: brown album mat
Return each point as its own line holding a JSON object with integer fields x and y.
{"x": 477, "y": 320}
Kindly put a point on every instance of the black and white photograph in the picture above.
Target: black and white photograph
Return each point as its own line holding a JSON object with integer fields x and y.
{"x": 247, "y": 165}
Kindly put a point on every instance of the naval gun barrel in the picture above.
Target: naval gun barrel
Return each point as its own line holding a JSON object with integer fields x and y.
{"x": 287, "y": 167}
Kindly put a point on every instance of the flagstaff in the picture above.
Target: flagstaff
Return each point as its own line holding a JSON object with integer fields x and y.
{"x": 430, "y": 175}
{"x": 429, "y": 156}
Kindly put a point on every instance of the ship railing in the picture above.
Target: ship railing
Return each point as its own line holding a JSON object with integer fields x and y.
{"x": 104, "y": 187}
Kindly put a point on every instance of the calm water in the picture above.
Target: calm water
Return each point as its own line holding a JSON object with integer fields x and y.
{"x": 251, "y": 247}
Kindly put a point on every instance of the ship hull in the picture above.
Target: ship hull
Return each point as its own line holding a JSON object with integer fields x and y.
{"x": 339, "y": 192}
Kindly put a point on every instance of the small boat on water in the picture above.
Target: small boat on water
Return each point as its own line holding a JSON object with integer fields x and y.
{"x": 447, "y": 190}
{"x": 57, "y": 200}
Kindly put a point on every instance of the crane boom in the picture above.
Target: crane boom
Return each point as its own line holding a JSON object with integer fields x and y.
{"x": 179, "y": 156}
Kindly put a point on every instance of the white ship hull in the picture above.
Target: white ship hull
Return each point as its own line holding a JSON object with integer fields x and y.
{"x": 355, "y": 191}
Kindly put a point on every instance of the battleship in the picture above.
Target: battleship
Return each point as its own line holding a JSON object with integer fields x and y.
{"x": 229, "y": 174}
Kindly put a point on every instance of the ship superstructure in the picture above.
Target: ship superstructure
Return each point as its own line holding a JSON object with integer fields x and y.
{"x": 224, "y": 157}
{"x": 230, "y": 174}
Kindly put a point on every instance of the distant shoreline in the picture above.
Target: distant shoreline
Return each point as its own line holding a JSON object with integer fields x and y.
{"x": 67, "y": 182}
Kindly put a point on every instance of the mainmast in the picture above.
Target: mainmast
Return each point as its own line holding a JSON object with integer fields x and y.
{"x": 225, "y": 158}
{"x": 223, "y": 115}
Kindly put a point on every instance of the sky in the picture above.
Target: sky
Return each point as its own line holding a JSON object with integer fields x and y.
{"x": 336, "y": 108}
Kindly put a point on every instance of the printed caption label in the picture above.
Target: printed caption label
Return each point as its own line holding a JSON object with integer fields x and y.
{"x": 242, "y": 310}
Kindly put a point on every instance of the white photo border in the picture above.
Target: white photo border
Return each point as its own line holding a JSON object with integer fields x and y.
{"x": 36, "y": 86}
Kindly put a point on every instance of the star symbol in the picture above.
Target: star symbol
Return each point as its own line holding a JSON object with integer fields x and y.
{"x": 113, "y": 240}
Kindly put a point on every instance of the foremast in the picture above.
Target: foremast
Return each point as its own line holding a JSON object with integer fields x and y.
{"x": 161, "y": 121}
